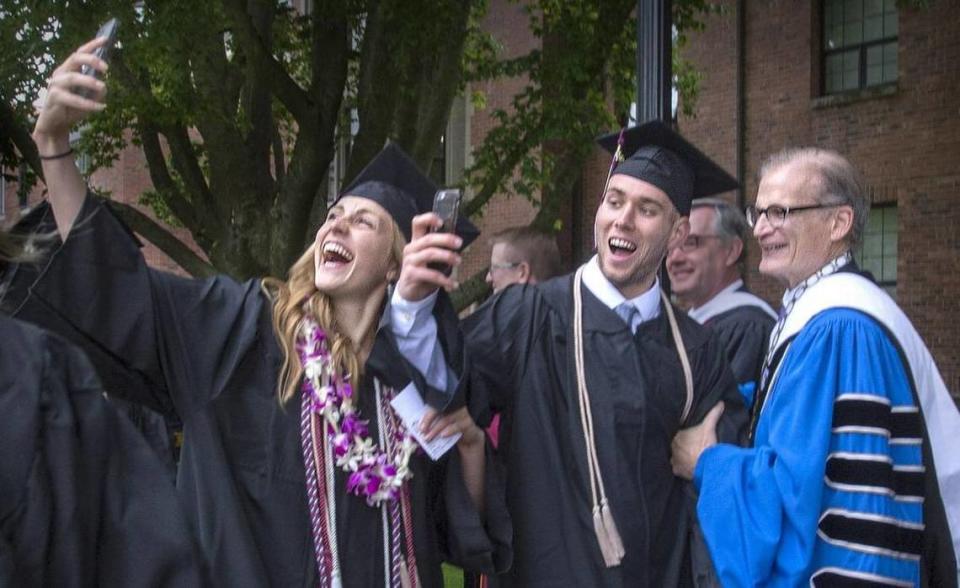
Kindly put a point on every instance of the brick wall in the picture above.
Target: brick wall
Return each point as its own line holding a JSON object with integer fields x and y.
{"x": 508, "y": 23}
{"x": 905, "y": 141}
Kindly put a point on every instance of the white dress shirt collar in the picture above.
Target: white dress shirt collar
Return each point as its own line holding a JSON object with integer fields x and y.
{"x": 647, "y": 304}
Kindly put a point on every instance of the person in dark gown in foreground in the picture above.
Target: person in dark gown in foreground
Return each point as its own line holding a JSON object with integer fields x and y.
{"x": 705, "y": 275}
{"x": 291, "y": 475}
{"x": 591, "y": 492}
{"x": 83, "y": 499}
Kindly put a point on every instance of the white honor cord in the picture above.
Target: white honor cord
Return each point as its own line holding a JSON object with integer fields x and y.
{"x": 682, "y": 354}
{"x": 335, "y": 579}
{"x": 605, "y": 527}
{"x": 383, "y": 504}
{"x": 604, "y": 524}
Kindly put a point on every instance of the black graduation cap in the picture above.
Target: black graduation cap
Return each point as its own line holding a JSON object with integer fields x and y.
{"x": 394, "y": 181}
{"x": 655, "y": 153}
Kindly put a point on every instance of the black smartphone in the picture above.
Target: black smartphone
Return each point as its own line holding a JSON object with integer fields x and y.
{"x": 108, "y": 30}
{"x": 446, "y": 205}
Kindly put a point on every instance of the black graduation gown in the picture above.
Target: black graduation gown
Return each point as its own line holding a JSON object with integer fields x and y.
{"x": 83, "y": 500}
{"x": 744, "y": 332}
{"x": 205, "y": 349}
{"x": 519, "y": 353}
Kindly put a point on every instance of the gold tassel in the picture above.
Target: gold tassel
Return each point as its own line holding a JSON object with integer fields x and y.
{"x": 405, "y": 581}
{"x": 613, "y": 536}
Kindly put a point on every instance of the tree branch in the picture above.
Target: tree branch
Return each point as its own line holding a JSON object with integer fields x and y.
{"x": 279, "y": 158}
{"x": 473, "y": 289}
{"x": 330, "y": 54}
{"x": 257, "y": 100}
{"x": 286, "y": 89}
{"x": 307, "y": 169}
{"x": 201, "y": 213}
{"x": 172, "y": 196}
{"x": 184, "y": 158}
{"x": 216, "y": 77}
{"x": 377, "y": 89}
{"x": 11, "y": 130}
{"x": 493, "y": 179}
{"x": 164, "y": 240}
{"x": 438, "y": 87}
{"x": 560, "y": 185}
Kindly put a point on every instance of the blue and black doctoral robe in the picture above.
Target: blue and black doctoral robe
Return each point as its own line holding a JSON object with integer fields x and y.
{"x": 851, "y": 480}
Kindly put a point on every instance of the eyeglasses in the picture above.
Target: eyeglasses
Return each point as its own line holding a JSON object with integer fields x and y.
{"x": 777, "y": 215}
{"x": 694, "y": 242}
{"x": 503, "y": 266}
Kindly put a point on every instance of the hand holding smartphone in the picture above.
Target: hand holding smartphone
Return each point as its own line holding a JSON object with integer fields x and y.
{"x": 446, "y": 205}
{"x": 108, "y": 30}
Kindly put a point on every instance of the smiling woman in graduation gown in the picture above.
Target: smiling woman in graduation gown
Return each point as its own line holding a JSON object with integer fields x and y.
{"x": 207, "y": 350}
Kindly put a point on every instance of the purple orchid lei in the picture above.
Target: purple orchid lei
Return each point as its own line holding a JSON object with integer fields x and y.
{"x": 372, "y": 473}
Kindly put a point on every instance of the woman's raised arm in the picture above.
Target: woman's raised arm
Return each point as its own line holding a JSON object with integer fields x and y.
{"x": 64, "y": 107}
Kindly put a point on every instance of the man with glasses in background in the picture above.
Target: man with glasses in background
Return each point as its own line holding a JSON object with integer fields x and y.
{"x": 522, "y": 255}
{"x": 705, "y": 276}
{"x": 852, "y": 478}
{"x": 519, "y": 255}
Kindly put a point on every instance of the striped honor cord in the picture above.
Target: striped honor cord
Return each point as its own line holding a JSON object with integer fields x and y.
{"x": 313, "y": 492}
{"x": 400, "y": 511}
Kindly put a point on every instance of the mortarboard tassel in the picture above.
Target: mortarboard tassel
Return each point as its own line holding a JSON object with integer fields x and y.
{"x": 617, "y": 158}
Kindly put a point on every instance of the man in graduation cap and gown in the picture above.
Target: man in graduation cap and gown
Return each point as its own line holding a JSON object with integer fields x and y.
{"x": 599, "y": 371}
{"x": 705, "y": 275}
{"x": 207, "y": 351}
{"x": 853, "y": 477}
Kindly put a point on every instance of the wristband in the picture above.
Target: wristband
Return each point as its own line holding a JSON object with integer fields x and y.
{"x": 58, "y": 155}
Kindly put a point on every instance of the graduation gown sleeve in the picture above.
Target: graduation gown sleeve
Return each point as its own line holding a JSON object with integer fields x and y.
{"x": 500, "y": 336}
{"x": 766, "y": 511}
{"x": 714, "y": 382}
{"x": 475, "y": 541}
{"x": 744, "y": 334}
{"x": 83, "y": 500}
{"x": 157, "y": 339}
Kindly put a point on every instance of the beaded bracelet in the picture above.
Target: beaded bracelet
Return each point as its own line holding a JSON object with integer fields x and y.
{"x": 58, "y": 155}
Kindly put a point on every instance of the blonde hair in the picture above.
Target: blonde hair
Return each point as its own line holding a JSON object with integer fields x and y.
{"x": 298, "y": 297}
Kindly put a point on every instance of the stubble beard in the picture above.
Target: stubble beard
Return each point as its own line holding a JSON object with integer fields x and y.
{"x": 647, "y": 268}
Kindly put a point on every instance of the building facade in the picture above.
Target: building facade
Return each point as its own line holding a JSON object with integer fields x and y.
{"x": 872, "y": 79}
{"x": 876, "y": 80}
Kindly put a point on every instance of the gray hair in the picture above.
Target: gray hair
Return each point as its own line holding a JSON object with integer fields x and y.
{"x": 838, "y": 182}
{"x": 728, "y": 224}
